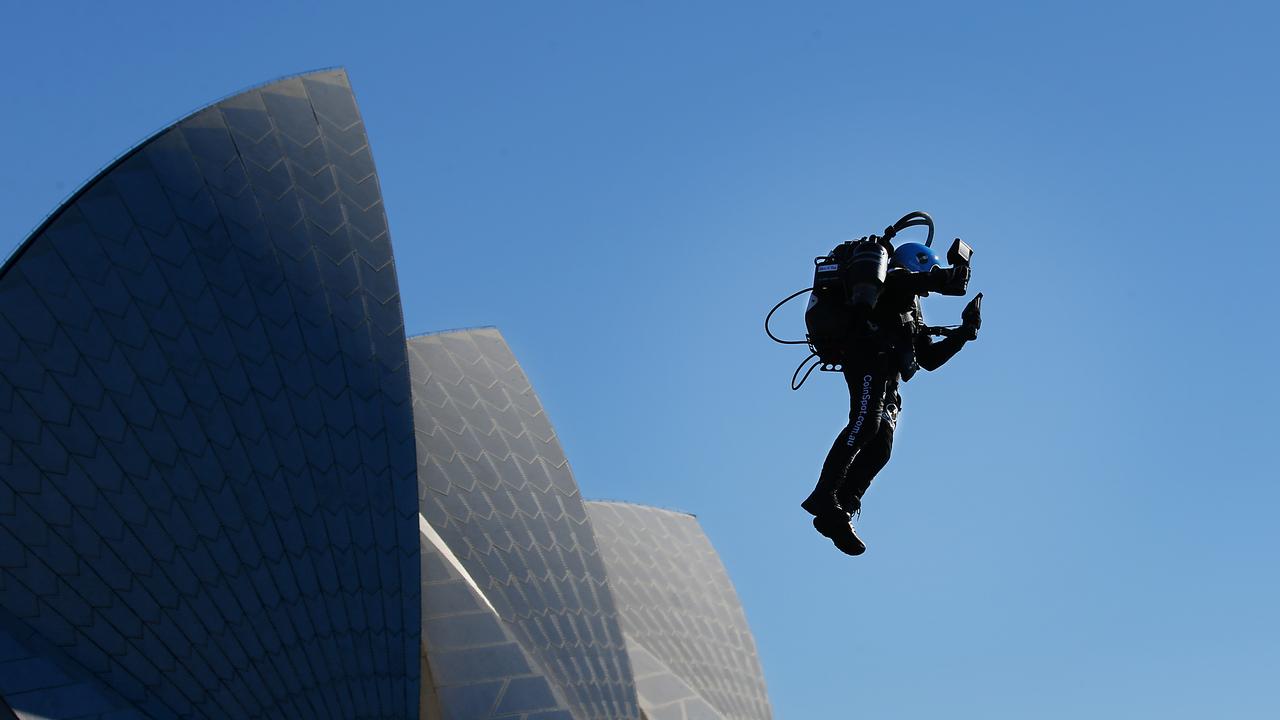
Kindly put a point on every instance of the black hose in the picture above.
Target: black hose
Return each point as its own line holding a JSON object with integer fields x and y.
{"x": 775, "y": 309}
{"x": 915, "y": 219}
{"x": 794, "y": 386}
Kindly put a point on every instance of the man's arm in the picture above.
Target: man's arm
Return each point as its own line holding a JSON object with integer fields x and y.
{"x": 931, "y": 355}
{"x": 953, "y": 280}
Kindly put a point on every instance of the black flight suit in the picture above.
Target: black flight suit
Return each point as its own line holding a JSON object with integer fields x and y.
{"x": 890, "y": 349}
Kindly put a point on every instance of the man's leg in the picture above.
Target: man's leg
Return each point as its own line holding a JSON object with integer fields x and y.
{"x": 866, "y": 399}
{"x": 869, "y": 461}
{"x": 866, "y": 407}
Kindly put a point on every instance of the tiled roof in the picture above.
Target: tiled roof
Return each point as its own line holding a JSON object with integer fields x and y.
{"x": 207, "y": 486}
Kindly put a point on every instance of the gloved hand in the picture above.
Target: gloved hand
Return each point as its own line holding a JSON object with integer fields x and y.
{"x": 957, "y": 280}
{"x": 971, "y": 316}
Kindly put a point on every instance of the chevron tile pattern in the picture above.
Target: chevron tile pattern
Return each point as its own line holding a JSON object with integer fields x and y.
{"x": 495, "y": 484}
{"x": 678, "y": 607}
{"x": 45, "y": 683}
{"x": 207, "y": 480}
{"x": 663, "y": 694}
{"x": 474, "y": 665}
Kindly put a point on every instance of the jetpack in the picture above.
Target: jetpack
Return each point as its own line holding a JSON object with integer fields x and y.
{"x": 846, "y": 285}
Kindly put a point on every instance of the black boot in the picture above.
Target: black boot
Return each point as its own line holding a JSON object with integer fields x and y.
{"x": 830, "y": 518}
{"x": 840, "y": 532}
{"x": 824, "y": 499}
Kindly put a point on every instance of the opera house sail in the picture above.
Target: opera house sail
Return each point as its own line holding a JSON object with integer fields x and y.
{"x": 206, "y": 441}
{"x": 230, "y": 486}
{"x": 686, "y": 631}
{"x": 495, "y": 483}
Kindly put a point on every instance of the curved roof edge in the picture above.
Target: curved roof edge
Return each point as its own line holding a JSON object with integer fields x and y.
{"x": 453, "y": 331}
{"x": 673, "y": 511}
{"x": 9, "y": 260}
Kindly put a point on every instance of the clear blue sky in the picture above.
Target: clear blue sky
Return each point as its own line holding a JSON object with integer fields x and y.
{"x": 1081, "y": 516}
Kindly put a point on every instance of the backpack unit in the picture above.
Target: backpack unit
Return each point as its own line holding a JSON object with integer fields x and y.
{"x": 846, "y": 284}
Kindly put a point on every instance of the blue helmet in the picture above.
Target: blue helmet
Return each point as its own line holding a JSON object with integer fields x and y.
{"x": 914, "y": 257}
